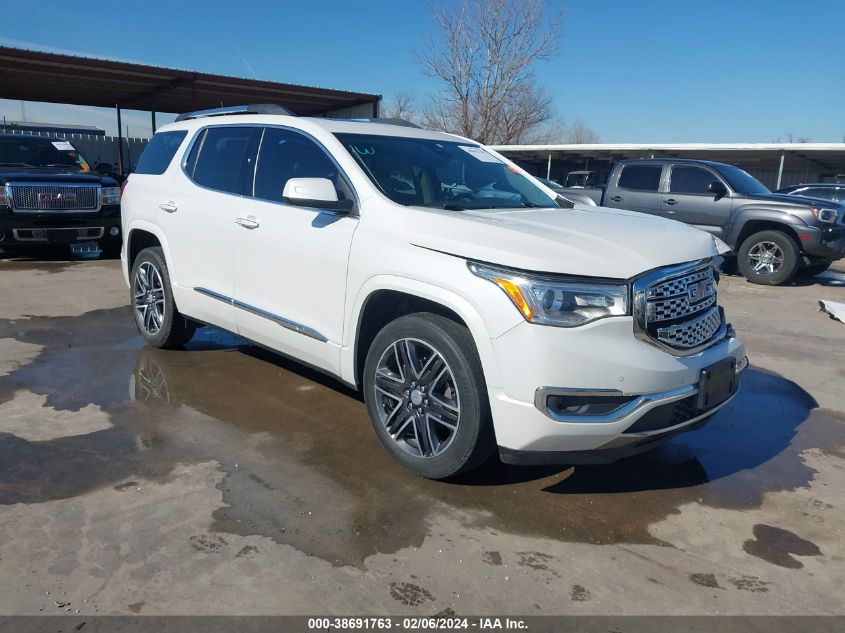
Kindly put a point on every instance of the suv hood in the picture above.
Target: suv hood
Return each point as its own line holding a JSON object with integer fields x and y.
{"x": 598, "y": 242}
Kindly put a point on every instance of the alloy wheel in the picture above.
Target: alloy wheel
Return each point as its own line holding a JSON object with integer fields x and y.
{"x": 418, "y": 400}
{"x": 148, "y": 291}
{"x": 766, "y": 258}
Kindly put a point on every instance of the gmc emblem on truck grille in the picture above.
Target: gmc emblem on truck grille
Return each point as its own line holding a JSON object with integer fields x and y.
{"x": 52, "y": 196}
{"x": 699, "y": 290}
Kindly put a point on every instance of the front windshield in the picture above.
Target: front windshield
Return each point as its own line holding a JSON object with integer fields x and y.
{"x": 38, "y": 152}
{"x": 442, "y": 174}
{"x": 741, "y": 181}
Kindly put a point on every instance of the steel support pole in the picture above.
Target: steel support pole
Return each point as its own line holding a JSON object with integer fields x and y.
{"x": 780, "y": 171}
{"x": 549, "y": 168}
{"x": 119, "y": 141}
{"x": 153, "y": 119}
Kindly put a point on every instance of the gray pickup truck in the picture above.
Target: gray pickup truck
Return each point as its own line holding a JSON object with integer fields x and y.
{"x": 774, "y": 236}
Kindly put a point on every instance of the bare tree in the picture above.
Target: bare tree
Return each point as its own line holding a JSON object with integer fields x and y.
{"x": 578, "y": 132}
{"x": 401, "y": 106}
{"x": 485, "y": 52}
{"x": 789, "y": 137}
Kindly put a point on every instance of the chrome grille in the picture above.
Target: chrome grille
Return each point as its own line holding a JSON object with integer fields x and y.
{"x": 48, "y": 197}
{"x": 675, "y": 308}
{"x": 692, "y": 333}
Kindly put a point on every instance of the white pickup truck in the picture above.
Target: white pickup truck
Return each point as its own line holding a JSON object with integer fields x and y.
{"x": 473, "y": 311}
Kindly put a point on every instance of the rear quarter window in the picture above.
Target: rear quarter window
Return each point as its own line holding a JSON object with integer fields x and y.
{"x": 159, "y": 152}
{"x": 641, "y": 177}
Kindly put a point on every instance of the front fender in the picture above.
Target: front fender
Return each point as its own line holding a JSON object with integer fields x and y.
{"x": 424, "y": 290}
{"x": 749, "y": 213}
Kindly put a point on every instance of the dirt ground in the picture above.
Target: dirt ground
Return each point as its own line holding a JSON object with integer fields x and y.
{"x": 224, "y": 480}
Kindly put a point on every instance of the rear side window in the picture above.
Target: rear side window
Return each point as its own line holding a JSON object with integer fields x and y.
{"x": 641, "y": 177}
{"x": 223, "y": 158}
{"x": 284, "y": 155}
{"x": 159, "y": 152}
{"x": 690, "y": 180}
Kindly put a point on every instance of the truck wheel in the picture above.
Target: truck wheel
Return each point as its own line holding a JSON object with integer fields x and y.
{"x": 814, "y": 269}
{"x": 426, "y": 396}
{"x": 151, "y": 298}
{"x": 769, "y": 257}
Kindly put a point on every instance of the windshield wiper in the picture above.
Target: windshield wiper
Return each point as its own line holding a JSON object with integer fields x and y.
{"x": 531, "y": 205}
{"x": 454, "y": 207}
{"x": 16, "y": 165}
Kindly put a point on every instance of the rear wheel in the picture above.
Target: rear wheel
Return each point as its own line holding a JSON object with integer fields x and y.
{"x": 768, "y": 257}
{"x": 426, "y": 396}
{"x": 151, "y": 298}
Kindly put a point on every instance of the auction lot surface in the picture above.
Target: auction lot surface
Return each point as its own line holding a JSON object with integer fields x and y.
{"x": 225, "y": 480}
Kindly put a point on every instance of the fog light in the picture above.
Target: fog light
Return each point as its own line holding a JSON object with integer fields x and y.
{"x": 586, "y": 405}
{"x": 114, "y": 231}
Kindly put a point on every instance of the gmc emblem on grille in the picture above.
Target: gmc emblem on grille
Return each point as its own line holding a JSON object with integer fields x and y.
{"x": 699, "y": 290}
{"x": 47, "y": 198}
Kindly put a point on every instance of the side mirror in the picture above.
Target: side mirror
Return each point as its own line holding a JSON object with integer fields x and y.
{"x": 318, "y": 193}
{"x": 718, "y": 189}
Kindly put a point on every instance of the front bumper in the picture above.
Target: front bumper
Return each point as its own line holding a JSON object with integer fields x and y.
{"x": 824, "y": 242}
{"x": 601, "y": 357}
{"x": 44, "y": 229}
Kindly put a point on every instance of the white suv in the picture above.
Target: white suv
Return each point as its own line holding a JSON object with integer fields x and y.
{"x": 474, "y": 309}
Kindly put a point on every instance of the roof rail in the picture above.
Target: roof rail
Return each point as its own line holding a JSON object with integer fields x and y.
{"x": 386, "y": 121}
{"x": 258, "y": 108}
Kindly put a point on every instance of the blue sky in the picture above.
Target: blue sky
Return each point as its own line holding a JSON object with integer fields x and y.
{"x": 643, "y": 71}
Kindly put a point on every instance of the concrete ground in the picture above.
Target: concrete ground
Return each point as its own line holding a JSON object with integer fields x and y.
{"x": 224, "y": 480}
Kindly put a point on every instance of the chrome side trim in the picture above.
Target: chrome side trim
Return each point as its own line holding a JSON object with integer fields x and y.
{"x": 280, "y": 320}
{"x": 640, "y": 404}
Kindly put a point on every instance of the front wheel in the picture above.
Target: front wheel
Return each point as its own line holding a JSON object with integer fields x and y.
{"x": 426, "y": 396}
{"x": 151, "y": 297}
{"x": 768, "y": 257}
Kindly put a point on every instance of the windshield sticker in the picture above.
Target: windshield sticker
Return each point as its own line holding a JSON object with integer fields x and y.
{"x": 64, "y": 146}
{"x": 480, "y": 153}
{"x": 363, "y": 151}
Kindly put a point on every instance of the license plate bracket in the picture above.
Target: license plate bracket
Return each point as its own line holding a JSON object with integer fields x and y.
{"x": 717, "y": 383}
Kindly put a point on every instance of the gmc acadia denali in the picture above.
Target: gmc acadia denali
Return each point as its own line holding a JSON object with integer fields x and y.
{"x": 49, "y": 197}
{"x": 474, "y": 309}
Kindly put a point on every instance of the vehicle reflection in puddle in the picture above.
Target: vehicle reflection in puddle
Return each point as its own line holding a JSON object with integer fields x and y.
{"x": 301, "y": 465}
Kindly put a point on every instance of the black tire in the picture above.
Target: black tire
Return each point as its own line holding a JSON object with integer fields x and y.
{"x": 783, "y": 268}
{"x": 814, "y": 269}
{"x": 173, "y": 329}
{"x": 472, "y": 441}
{"x": 729, "y": 265}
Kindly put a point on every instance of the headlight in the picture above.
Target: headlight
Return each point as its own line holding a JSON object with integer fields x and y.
{"x": 558, "y": 302}
{"x": 825, "y": 215}
{"x": 110, "y": 195}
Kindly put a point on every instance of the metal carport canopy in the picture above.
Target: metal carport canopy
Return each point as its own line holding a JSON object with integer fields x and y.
{"x": 57, "y": 78}
{"x": 828, "y": 156}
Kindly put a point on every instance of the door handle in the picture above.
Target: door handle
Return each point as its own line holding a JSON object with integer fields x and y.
{"x": 168, "y": 206}
{"x": 616, "y": 198}
{"x": 249, "y": 222}
{"x": 670, "y": 201}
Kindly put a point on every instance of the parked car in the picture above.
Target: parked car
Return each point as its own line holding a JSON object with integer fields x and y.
{"x": 567, "y": 194}
{"x": 773, "y": 235}
{"x": 470, "y": 320}
{"x": 821, "y": 191}
{"x": 50, "y": 197}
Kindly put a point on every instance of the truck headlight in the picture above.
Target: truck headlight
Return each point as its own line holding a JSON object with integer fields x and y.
{"x": 557, "y": 301}
{"x": 825, "y": 215}
{"x": 110, "y": 195}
